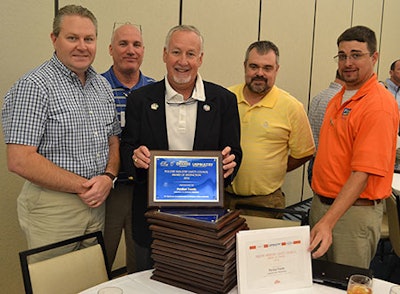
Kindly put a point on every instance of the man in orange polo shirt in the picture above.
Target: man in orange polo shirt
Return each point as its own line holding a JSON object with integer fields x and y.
{"x": 354, "y": 165}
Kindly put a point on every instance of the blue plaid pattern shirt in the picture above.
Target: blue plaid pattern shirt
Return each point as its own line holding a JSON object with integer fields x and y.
{"x": 70, "y": 123}
{"x": 121, "y": 92}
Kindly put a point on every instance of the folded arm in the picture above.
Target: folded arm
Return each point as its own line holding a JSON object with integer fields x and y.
{"x": 26, "y": 162}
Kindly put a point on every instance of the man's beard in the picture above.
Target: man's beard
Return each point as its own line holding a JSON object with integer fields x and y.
{"x": 259, "y": 89}
{"x": 180, "y": 80}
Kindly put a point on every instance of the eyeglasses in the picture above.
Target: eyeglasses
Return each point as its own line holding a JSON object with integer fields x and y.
{"x": 118, "y": 24}
{"x": 353, "y": 56}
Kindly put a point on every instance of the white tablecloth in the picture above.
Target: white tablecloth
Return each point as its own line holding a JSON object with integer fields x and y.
{"x": 141, "y": 283}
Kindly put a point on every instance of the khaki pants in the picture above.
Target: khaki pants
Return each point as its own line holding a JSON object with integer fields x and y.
{"x": 48, "y": 216}
{"x": 274, "y": 200}
{"x": 356, "y": 234}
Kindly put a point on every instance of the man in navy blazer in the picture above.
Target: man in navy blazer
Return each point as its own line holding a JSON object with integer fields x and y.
{"x": 181, "y": 112}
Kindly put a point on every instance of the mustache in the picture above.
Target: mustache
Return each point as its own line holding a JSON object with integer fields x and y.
{"x": 259, "y": 79}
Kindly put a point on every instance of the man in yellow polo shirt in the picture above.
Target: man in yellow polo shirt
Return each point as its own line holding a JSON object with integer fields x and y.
{"x": 275, "y": 133}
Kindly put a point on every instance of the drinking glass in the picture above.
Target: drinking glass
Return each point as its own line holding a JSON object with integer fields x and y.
{"x": 359, "y": 284}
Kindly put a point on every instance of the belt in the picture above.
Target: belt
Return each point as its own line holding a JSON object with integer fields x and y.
{"x": 358, "y": 202}
{"x": 249, "y": 196}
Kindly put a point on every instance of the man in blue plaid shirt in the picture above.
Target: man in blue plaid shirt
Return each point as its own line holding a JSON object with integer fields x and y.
{"x": 61, "y": 131}
{"x": 124, "y": 76}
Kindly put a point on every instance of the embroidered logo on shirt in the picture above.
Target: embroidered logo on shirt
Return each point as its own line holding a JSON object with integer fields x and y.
{"x": 346, "y": 111}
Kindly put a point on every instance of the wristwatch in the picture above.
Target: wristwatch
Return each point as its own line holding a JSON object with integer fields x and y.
{"x": 112, "y": 177}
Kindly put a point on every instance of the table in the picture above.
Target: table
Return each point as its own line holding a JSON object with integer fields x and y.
{"x": 141, "y": 283}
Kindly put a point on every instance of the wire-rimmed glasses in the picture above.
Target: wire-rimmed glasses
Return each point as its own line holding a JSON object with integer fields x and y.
{"x": 341, "y": 57}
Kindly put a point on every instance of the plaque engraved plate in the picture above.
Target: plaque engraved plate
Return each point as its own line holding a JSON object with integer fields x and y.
{"x": 186, "y": 178}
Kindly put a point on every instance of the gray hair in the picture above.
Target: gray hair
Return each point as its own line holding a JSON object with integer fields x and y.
{"x": 185, "y": 28}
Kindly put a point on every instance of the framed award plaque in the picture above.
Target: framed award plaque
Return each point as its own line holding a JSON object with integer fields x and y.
{"x": 186, "y": 178}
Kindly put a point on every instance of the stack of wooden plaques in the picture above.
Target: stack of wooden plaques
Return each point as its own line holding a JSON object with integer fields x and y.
{"x": 195, "y": 249}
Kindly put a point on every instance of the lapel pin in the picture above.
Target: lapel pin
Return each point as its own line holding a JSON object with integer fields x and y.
{"x": 206, "y": 107}
{"x": 154, "y": 106}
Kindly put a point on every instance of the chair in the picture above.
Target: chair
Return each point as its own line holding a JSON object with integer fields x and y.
{"x": 68, "y": 273}
{"x": 392, "y": 207}
{"x": 255, "y": 222}
{"x": 301, "y": 215}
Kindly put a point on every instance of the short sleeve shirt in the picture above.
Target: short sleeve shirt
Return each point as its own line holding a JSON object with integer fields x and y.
{"x": 68, "y": 122}
{"x": 121, "y": 92}
{"x": 271, "y": 129}
{"x": 358, "y": 135}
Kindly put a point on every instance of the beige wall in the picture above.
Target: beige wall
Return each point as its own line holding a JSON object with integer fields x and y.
{"x": 24, "y": 34}
{"x": 305, "y": 31}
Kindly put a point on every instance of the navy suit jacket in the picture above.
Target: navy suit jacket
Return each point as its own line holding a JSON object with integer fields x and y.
{"x": 217, "y": 126}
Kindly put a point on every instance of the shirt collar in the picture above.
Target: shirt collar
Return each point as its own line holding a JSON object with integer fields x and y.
{"x": 174, "y": 97}
{"x": 392, "y": 86}
{"x": 365, "y": 88}
{"x": 360, "y": 93}
{"x": 117, "y": 84}
{"x": 90, "y": 72}
{"x": 268, "y": 100}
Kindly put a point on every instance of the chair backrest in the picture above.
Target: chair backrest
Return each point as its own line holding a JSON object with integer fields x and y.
{"x": 302, "y": 215}
{"x": 259, "y": 222}
{"x": 392, "y": 208}
{"x": 68, "y": 273}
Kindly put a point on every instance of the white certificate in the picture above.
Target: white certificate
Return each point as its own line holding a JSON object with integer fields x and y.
{"x": 271, "y": 260}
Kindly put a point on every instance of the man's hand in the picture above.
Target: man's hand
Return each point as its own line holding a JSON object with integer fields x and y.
{"x": 228, "y": 161}
{"x": 98, "y": 189}
{"x": 321, "y": 235}
{"x": 141, "y": 157}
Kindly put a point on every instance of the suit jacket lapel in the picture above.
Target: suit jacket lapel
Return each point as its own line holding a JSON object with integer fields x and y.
{"x": 156, "y": 115}
{"x": 206, "y": 112}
